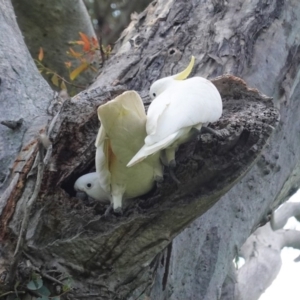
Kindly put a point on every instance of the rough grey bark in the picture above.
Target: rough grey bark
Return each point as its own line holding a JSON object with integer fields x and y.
{"x": 256, "y": 41}
{"x": 24, "y": 97}
{"x": 52, "y": 25}
{"x": 119, "y": 256}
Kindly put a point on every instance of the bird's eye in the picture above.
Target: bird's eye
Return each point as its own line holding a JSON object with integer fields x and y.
{"x": 154, "y": 95}
{"x": 88, "y": 185}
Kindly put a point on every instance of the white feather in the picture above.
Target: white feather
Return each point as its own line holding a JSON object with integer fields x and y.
{"x": 89, "y": 183}
{"x": 121, "y": 135}
{"x": 186, "y": 103}
{"x": 179, "y": 106}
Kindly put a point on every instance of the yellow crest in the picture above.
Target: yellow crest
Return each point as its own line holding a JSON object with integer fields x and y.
{"x": 186, "y": 72}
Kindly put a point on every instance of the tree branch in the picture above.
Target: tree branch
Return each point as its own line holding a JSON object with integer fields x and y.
{"x": 281, "y": 216}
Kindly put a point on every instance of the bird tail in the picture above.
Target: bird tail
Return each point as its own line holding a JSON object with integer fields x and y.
{"x": 147, "y": 150}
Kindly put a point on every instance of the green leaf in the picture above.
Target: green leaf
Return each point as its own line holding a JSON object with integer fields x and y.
{"x": 55, "y": 298}
{"x": 43, "y": 298}
{"x": 34, "y": 285}
{"x": 68, "y": 282}
{"x": 54, "y": 80}
{"x": 44, "y": 291}
{"x": 66, "y": 288}
{"x": 63, "y": 86}
{"x": 78, "y": 70}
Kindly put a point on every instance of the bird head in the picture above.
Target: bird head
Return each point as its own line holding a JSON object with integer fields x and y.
{"x": 162, "y": 84}
{"x": 90, "y": 184}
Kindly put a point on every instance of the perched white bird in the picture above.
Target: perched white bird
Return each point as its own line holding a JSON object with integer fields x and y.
{"x": 179, "y": 105}
{"x": 121, "y": 135}
{"x": 90, "y": 184}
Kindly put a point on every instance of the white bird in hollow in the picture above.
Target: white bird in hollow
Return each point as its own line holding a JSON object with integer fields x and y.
{"x": 90, "y": 185}
{"x": 121, "y": 135}
{"x": 179, "y": 105}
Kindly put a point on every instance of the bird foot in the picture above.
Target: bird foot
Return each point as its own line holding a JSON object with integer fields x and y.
{"x": 220, "y": 134}
{"x": 172, "y": 164}
{"x": 118, "y": 211}
{"x": 158, "y": 179}
{"x": 108, "y": 211}
{"x": 173, "y": 176}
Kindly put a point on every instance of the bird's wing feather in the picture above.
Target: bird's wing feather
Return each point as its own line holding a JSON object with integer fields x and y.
{"x": 132, "y": 101}
{"x": 147, "y": 150}
{"x": 102, "y": 160}
{"x": 190, "y": 102}
{"x": 124, "y": 121}
{"x": 100, "y": 136}
{"x": 157, "y": 108}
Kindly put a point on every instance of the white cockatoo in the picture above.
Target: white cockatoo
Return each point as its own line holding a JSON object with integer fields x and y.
{"x": 179, "y": 105}
{"x": 90, "y": 184}
{"x": 121, "y": 135}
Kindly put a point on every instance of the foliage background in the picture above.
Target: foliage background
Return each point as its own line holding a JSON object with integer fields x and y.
{"x": 111, "y": 17}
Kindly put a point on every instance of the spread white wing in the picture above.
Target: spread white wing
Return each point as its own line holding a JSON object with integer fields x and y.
{"x": 121, "y": 135}
{"x": 183, "y": 105}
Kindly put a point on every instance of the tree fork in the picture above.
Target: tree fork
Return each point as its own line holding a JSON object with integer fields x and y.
{"x": 118, "y": 255}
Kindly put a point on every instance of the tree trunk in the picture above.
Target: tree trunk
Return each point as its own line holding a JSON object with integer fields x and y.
{"x": 24, "y": 98}
{"x": 112, "y": 19}
{"x": 262, "y": 253}
{"x": 52, "y": 25}
{"x": 256, "y": 41}
{"x": 120, "y": 256}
